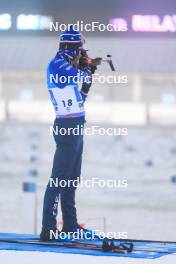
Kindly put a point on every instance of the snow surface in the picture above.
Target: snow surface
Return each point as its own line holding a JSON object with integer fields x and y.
{"x": 16, "y": 257}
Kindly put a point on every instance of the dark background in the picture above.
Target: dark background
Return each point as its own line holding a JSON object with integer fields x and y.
{"x": 88, "y": 11}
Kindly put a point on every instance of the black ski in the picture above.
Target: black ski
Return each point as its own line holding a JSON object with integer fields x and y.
{"x": 105, "y": 246}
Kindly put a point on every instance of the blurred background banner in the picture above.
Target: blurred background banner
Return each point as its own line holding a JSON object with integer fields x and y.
{"x": 143, "y": 54}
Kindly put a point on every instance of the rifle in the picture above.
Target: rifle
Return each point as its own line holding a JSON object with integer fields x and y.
{"x": 86, "y": 61}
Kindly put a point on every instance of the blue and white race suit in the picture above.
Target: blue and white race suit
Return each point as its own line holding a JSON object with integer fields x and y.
{"x": 63, "y": 84}
{"x": 68, "y": 102}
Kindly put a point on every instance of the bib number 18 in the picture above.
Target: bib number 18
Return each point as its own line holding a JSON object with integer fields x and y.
{"x": 67, "y": 103}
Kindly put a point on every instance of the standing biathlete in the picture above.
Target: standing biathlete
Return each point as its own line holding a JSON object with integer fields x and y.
{"x": 63, "y": 73}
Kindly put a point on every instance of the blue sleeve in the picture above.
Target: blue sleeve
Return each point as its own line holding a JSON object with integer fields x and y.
{"x": 86, "y": 85}
{"x": 60, "y": 67}
{"x": 63, "y": 68}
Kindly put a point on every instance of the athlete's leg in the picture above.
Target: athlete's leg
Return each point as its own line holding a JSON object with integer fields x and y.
{"x": 64, "y": 160}
{"x": 68, "y": 195}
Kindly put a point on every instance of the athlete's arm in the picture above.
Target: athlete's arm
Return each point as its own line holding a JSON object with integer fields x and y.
{"x": 86, "y": 85}
{"x": 63, "y": 68}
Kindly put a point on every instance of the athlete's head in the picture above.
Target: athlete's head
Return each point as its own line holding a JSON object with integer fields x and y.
{"x": 71, "y": 42}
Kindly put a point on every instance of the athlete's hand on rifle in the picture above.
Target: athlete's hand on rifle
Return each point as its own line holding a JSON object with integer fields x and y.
{"x": 85, "y": 62}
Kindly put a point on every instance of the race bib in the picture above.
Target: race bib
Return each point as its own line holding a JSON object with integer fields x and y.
{"x": 66, "y": 101}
